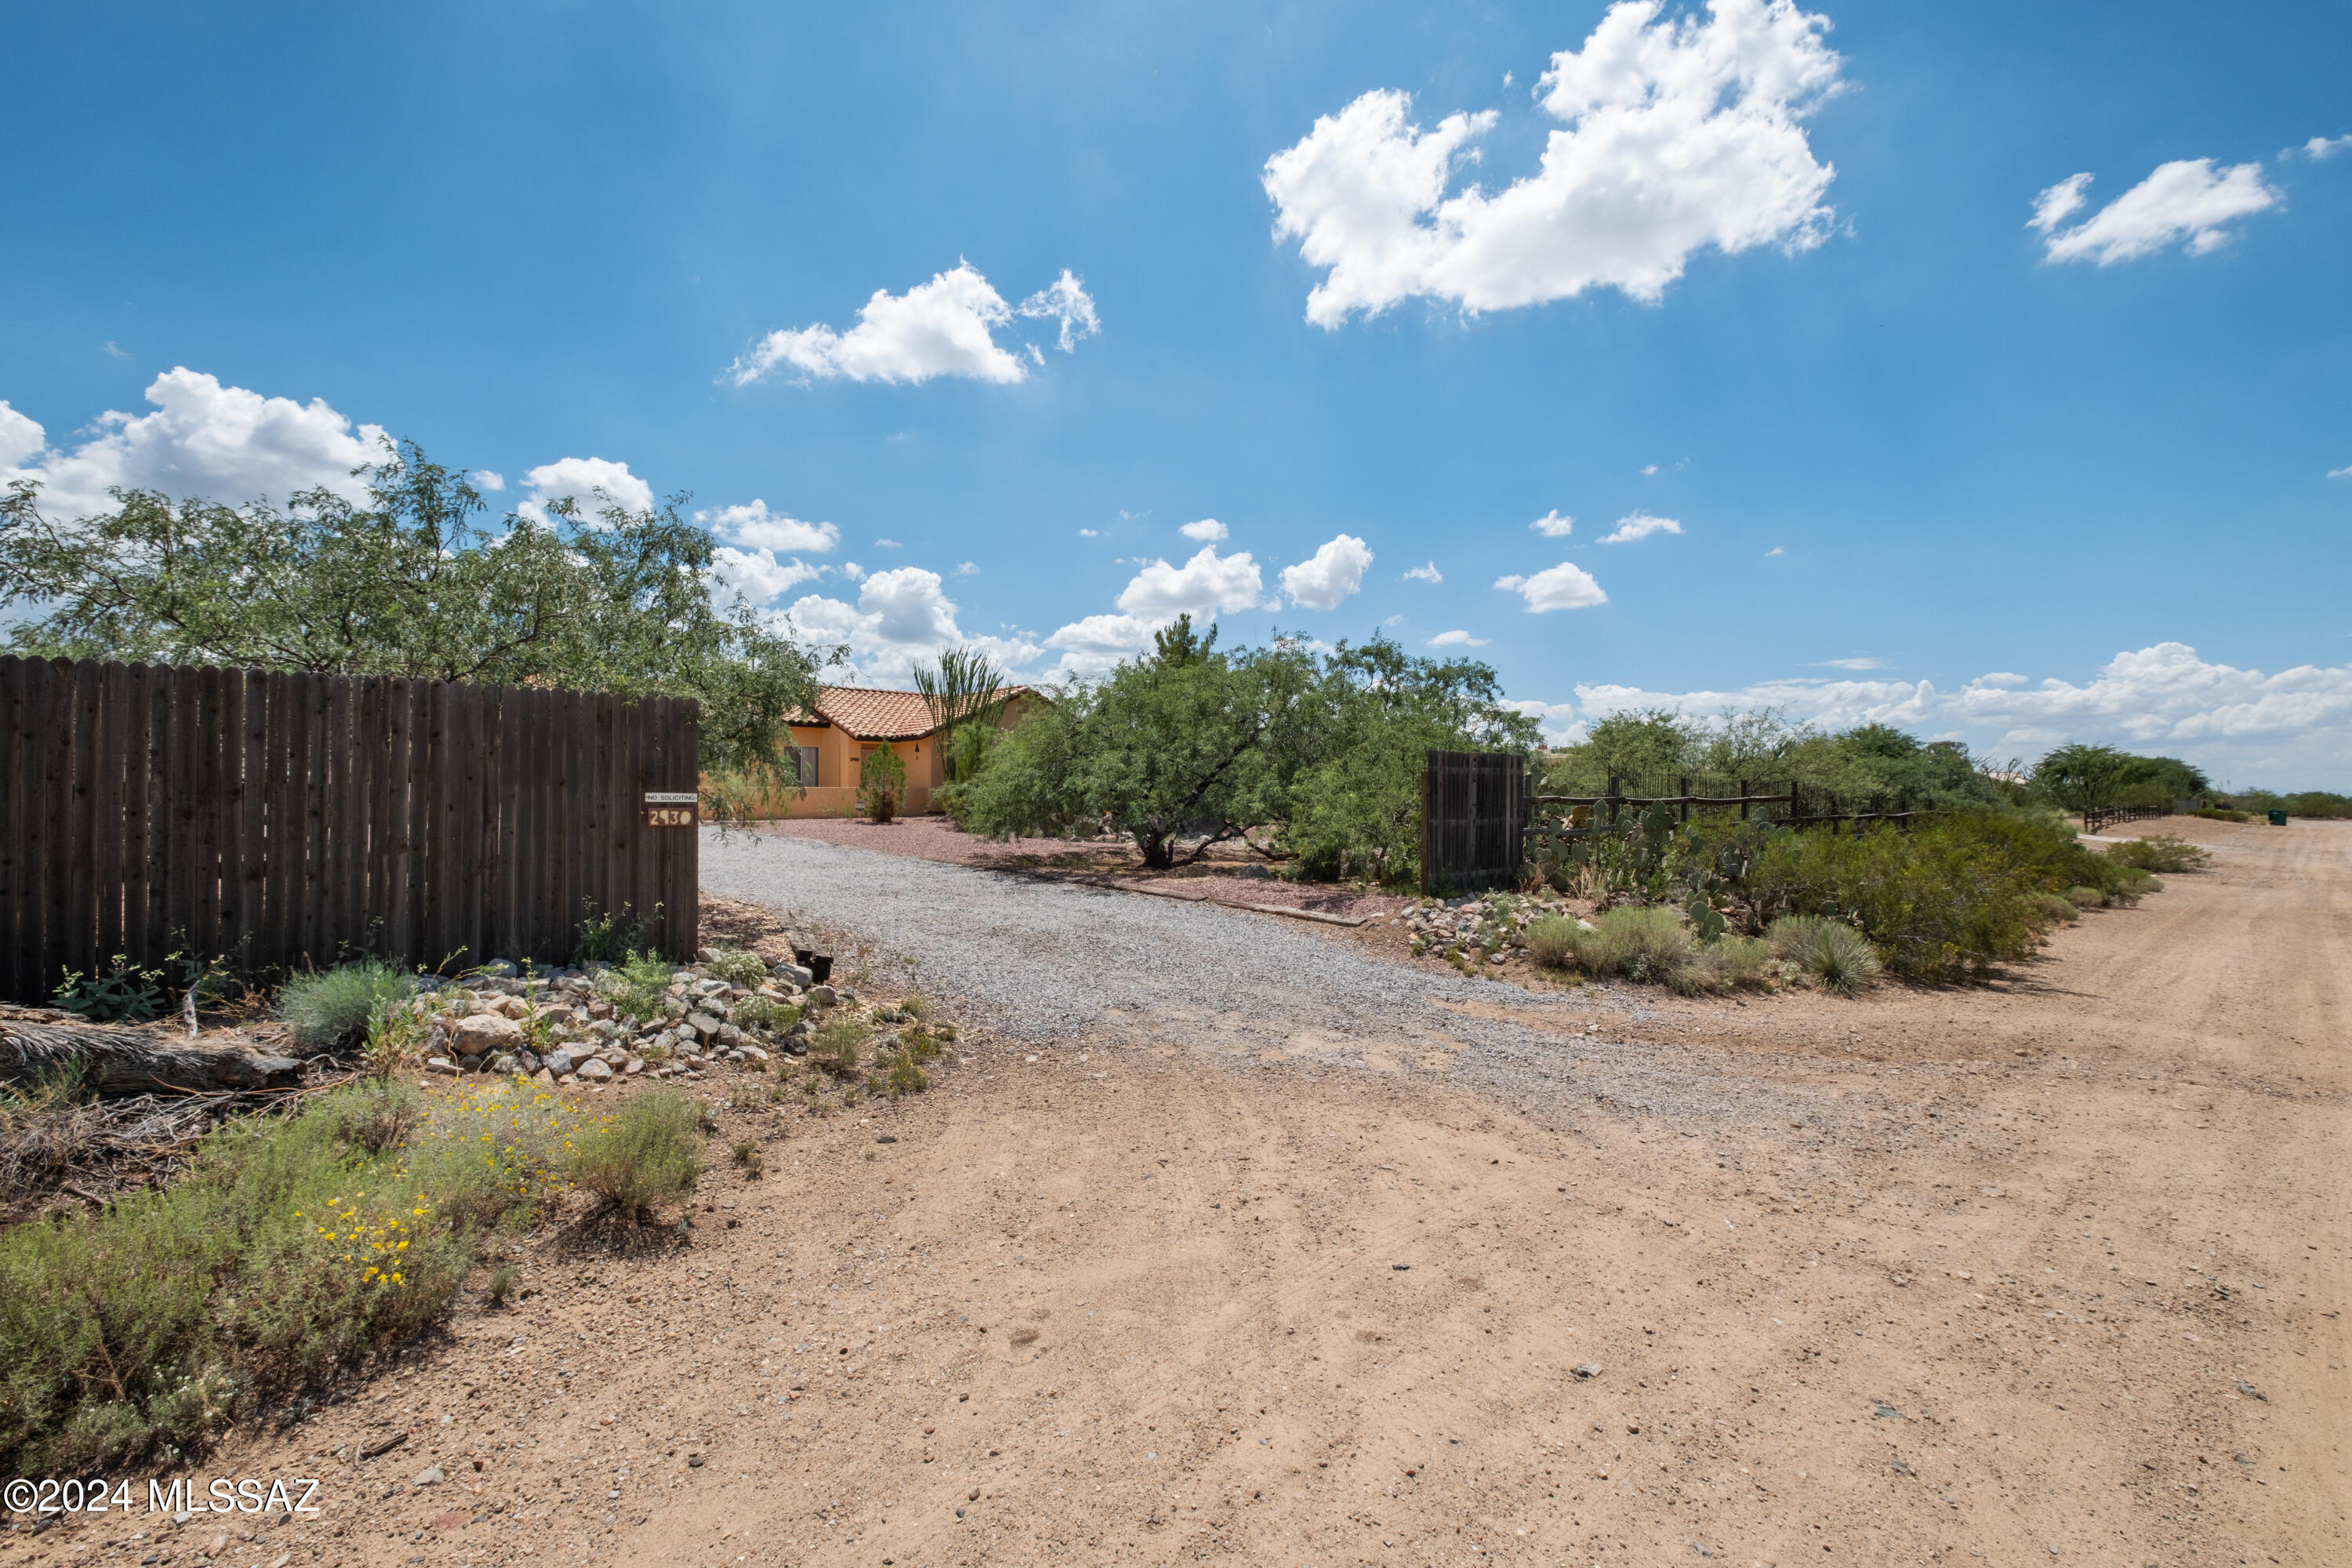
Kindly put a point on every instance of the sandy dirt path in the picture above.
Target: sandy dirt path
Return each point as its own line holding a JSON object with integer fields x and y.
{"x": 2048, "y": 1272}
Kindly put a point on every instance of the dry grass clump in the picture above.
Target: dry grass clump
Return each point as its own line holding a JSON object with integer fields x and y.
{"x": 2165, "y": 852}
{"x": 840, "y": 1045}
{"x": 648, "y": 1150}
{"x": 1650, "y": 947}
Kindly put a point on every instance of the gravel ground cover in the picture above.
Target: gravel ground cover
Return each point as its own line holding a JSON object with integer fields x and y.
{"x": 1048, "y": 961}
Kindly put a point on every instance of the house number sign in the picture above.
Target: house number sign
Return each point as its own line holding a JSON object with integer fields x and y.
{"x": 669, "y": 808}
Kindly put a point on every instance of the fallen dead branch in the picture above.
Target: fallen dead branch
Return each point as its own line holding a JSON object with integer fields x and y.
{"x": 114, "y": 1059}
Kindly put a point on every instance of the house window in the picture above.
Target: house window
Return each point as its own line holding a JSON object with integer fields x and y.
{"x": 804, "y": 766}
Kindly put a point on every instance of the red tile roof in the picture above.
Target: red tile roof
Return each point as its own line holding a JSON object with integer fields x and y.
{"x": 868, "y": 713}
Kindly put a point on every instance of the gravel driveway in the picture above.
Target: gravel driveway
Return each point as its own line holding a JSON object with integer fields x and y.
{"x": 1049, "y": 961}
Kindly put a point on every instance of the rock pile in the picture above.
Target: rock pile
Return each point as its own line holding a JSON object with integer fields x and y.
{"x": 1493, "y": 927}
{"x": 568, "y": 1023}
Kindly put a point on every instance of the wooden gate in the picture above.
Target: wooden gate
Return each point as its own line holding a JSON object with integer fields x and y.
{"x": 278, "y": 820}
{"x": 1473, "y": 813}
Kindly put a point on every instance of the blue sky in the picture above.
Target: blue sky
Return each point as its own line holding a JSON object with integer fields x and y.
{"x": 1773, "y": 282}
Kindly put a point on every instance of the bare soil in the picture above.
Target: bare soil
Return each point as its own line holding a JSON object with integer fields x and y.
{"x": 2073, "y": 1294}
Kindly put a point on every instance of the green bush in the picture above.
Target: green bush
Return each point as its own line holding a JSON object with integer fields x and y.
{"x": 840, "y": 1045}
{"x": 2222, "y": 814}
{"x": 2059, "y": 911}
{"x": 737, "y": 967}
{"x": 2161, "y": 852}
{"x": 291, "y": 1250}
{"x": 637, "y": 987}
{"x": 650, "y": 1148}
{"x": 331, "y": 1009}
{"x": 1833, "y": 954}
{"x": 124, "y": 994}
{"x": 1555, "y": 942}
{"x": 1950, "y": 899}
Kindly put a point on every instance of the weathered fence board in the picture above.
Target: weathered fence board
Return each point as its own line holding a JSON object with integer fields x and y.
{"x": 276, "y": 819}
{"x": 1473, "y": 809}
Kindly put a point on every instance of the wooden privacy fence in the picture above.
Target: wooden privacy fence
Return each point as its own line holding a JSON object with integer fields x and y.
{"x": 1473, "y": 812}
{"x": 278, "y": 819}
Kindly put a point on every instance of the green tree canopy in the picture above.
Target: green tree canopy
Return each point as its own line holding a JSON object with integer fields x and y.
{"x": 408, "y": 585}
{"x": 1321, "y": 754}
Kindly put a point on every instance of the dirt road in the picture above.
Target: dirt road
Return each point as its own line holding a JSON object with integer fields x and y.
{"x": 2049, "y": 1272}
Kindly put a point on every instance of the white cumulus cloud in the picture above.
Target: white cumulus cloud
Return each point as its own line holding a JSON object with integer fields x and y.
{"x": 219, "y": 443}
{"x": 2188, "y": 200}
{"x": 902, "y": 618}
{"x": 2292, "y": 729}
{"x": 21, "y": 437}
{"x": 2343, "y": 473}
{"x": 1202, "y": 586}
{"x": 1566, "y": 587}
{"x": 1456, "y": 640}
{"x": 1639, "y": 525}
{"x": 1425, "y": 573}
{"x": 1552, "y": 525}
{"x": 1334, "y": 571}
{"x": 1097, "y": 644}
{"x": 591, "y": 484}
{"x": 759, "y": 576}
{"x": 1208, "y": 528}
{"x": 488, "y": 480}
{"x": 2327, "y": 146}
{"x": 1675, "y": 135}
{"x": 751, "y": 523}
{"x": 1066, "y": 301}
{"x": 944, "y": 327}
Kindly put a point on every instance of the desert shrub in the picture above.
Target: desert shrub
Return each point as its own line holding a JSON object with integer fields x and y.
{"x": 905, "y": 1076}
{"x": 1950, "y": 899}
{"x": 332, "y": 1008}
{"x": 2059, "y": 910}
{"x": 2161, "y": 852}
{"x": 737, "y": 967}
{"x": 765, "y": 1013}
{"x": 2087, "y": 897}
{"x": 1728, "y": 963}
{"x": 637, "y": 986}
{"x": 648, "y": 1150}
{"x": 2222, "y": 814}
{"x": 607, "y": 938}
{"x": 840, "y": 1045}
{"x": 291, "y": 1250}
{"x": 1650, "y": 946}
{"x": 748, "y": 1159}
{"x": 882, "y": 782}
{"x": 1832, "y": 953}
{"x": 1554, "y": 942}
{"x": 377, "y": 1115}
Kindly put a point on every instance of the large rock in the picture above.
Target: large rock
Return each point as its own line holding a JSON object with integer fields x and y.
{"x": 595, "y": 1070}
{"x": 704, "y": 1026}
{"x": 480, "y": 1034}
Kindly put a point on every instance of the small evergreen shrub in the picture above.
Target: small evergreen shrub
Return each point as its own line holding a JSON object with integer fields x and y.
{"x": 332, "y": 1008}
{"x": 2086, "y": 898}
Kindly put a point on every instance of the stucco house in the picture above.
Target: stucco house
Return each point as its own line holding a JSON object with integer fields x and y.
{"x": 831, "y": 745}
